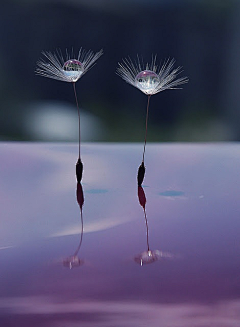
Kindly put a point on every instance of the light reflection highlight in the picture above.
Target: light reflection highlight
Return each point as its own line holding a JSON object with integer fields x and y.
{"x": 91, "y": 227}
{"x": 6, "y": 247}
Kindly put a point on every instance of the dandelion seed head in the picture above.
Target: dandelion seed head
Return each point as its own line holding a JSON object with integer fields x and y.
{"x": 147, "y": 81}
{"x": 69, "y": 70}
{"x": 151, "y": 78}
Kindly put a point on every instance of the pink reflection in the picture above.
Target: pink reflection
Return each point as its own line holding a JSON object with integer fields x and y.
{"x": 49, "y": 311}
{"x": 73, "y": 261}
{"x": 148, "y": 256}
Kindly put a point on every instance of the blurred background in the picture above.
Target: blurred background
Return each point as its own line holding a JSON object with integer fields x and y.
{"x": 203, "y": 36}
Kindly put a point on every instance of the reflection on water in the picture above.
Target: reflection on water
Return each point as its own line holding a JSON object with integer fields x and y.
{"x": 141, "y": 173}
{"x": 79, "y": 170}
{"x": 148, "y": 256}
{"x": 74, "y": 261}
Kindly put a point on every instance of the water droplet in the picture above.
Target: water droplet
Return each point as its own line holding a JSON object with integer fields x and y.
{"x": 73, "y": 69}
{"x": 147, "y": 81}
{"x": 72, "y": 65}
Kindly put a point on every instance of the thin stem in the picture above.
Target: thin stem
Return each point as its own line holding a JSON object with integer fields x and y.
{"x": 81, "y": 237}
{"x": 145, "y": 215}
{"x": 79, "y": 134}
{"x": 145, "y": 141}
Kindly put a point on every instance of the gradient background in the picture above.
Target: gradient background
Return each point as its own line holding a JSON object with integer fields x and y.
{"x": 202, "y": 36}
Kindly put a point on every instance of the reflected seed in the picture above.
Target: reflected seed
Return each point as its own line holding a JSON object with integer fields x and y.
{"x": 147, "y": 81}
{"x": 72, "y": 262}
{"x": 73, "y": 69}
{"x": 147, "y": 257}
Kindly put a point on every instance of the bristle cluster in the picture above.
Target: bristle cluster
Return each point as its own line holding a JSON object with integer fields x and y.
{"x": 167, "y": 74}
{"x": 52, "y": 66}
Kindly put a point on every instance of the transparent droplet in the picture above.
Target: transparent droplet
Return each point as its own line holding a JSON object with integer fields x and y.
{"x": 73, "y": 69}
{"x": 147, "y": 81}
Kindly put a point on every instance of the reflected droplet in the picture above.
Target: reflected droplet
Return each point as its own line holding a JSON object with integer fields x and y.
{"x": 146, "y": 257}
{"x": 73, "y": 69}
{"x": 147, "y": 81}
{"x": 72, "y": 262}
{"x": 151, "y": 256}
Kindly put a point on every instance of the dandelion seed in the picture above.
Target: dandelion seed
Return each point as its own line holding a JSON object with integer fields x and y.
{"x": 68, "y": 70}
{"x": 150, "y": 79}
